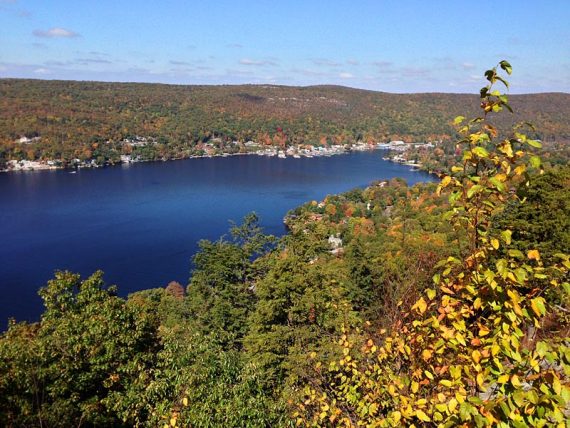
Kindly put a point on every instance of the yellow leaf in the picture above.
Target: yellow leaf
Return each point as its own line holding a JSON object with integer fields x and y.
{"x": 495, "y": 243}
{"x": 422, "y": 416}
{"x": 480, "y": 380}
{"x": 452, "y": 405}
{"x": 556, "y": 385}
{"x": 533, "y": 255}
{"x": 537, "y": 305}
{"x": 503, "y": 379}
{"x": 173, "y": 422}
{"x": 426, "y": 354}
{"x": 373, "y": 409}
{"x": 420, "y": 305}
{"x": 415, "y": 386}
{"x": 445, "y": 181}
{"x": 516, "y": 381}
{"x": 476, "y": 355}
{"x": 477, "y": 303}
{"x": 520, "y": 169}
{"x": 185, "y": 401}
{"x": 441, "y": 407}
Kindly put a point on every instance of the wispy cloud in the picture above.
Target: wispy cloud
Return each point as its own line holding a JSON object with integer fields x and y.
{"x": 352, "y": 62}
{"x": 234, "y": 45}
{"x": 468, "y": 66}
{"x": 97, "y": 53}
{"x": 57, "y": 63}
{"x": 345, "y": 75}
{"x": 87, "y": 61}
{"x": 55, "y": 32}
{"x": 325, "y": 62}
{"x": 259, "y": 63}
{"x": 174, "y": 62}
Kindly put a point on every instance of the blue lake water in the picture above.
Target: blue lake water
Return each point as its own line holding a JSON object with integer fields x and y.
{"x": 141, "y": 223}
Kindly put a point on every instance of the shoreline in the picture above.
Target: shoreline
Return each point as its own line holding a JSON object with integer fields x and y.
{"x": 50, "y": 165}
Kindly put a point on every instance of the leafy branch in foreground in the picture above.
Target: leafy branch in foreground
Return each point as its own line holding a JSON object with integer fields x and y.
{"x": 471, "y": 351}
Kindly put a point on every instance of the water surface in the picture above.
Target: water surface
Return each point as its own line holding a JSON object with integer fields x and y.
{"x": 141, "y": 223}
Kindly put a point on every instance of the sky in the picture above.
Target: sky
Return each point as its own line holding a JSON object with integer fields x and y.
{"x": 397, "y": 46}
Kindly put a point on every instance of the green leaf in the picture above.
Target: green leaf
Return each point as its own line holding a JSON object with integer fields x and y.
{"x": 516, "y": 254}
{"x": 506, "y": 235}
{"x": 498, "y": 184}
{"x": 535, "y": 161}
{"x": 503, "y": 81}
{"x": 505, "y": 65}
{"x": 474, "y": 189}
{"x": 481, "y": 152}
{"x": 534, "y": 143}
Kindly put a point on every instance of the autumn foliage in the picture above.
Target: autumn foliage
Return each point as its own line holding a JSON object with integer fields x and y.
{"x": 470, "y": 351}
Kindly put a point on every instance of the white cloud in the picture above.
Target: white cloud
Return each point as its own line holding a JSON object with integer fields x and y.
{"x": 345, "y": 75}
{"x": 468, "y": 66}
{"x": 261, "y": 63}
{"x": 55, "y": 32}
{"x": 41, "y": 71}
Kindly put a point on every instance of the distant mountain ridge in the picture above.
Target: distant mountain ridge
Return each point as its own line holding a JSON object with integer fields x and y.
{"x": 73, "y": 112}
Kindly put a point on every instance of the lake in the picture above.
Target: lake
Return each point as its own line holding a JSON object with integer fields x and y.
{"x": 140, "y": 223}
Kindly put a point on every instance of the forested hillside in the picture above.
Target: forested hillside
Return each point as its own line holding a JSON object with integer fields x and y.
{"x": 433, "y": 305}
{"x": 89, "y": 120}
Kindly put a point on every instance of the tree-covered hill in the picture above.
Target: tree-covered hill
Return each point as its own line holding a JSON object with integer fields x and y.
{"x": 71, "y": 116}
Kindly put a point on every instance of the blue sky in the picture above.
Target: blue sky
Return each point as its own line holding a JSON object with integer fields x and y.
{"x": 391, "y": 45}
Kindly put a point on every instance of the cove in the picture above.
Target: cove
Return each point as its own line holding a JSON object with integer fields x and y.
{"x": 141, "y": 223}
